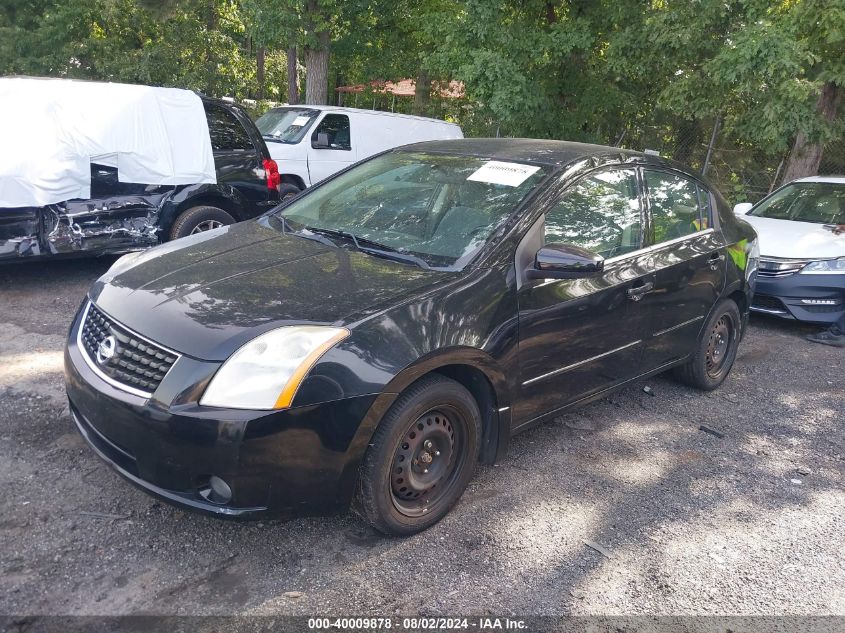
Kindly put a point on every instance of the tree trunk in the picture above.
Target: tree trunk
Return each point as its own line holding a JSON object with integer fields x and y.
{"x": 422, "y": 93}
{"x": 293, "y": 77}
{"x": 317, "y": 71}
{"x": 210, "y": 56}
{"x": 806, "y": 155}
{"x": 259, "y": 70}
{"x": 316, "y": 58}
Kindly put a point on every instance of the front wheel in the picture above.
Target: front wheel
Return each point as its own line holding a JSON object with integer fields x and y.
{"x": 716, "y": 352}
{"x": 421, "y": 457}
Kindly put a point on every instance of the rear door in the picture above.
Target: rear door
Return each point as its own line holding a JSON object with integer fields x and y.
{"x": 580, "y": 336}
{"x": 688, "y": 258}
{"x": 239, "y": 164}
{"x": 331, "y": 146}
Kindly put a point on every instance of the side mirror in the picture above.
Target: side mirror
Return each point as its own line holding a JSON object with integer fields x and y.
{"x": 565, "y": 261}
{"x": 322, "y": 140}
{"x": 742, "y": 208}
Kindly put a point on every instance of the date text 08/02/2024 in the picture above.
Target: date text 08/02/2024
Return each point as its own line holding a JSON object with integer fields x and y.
{"x": 416, "y": 623}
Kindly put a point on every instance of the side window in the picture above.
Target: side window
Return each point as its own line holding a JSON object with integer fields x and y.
{"x": 225, "y": 130}
{"x": 674, "y": 204}
{"x": 336, "y": 129}
{"x": 600, "y": 212}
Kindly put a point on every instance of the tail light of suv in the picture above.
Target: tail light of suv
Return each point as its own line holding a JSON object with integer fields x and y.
{"x": 271, "y": 169}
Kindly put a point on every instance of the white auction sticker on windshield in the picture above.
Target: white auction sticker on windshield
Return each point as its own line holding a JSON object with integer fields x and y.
{"x": 498, "y": 173}
{"x": 300, "y": 121}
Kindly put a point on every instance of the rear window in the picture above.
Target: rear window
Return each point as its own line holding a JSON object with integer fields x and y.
{"x": 816, "y": 202}
{"x": 286, "y": 125}
{"x": 225, "y": 130}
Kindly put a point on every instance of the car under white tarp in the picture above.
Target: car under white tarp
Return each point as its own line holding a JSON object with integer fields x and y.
{"x": 51, "y": 130}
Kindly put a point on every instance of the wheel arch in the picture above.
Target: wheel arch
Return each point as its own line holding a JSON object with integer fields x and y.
{"x": 477, "y": 371}
{"x": 482, "y": 376}
{"x": 177, "y": 206}
{"x": 293, "y": 179}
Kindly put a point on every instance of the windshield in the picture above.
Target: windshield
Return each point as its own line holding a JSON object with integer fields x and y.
{"x": 438, "y": 208}
{"x": 817, "y": 202}
{"x": 285, "y": 125}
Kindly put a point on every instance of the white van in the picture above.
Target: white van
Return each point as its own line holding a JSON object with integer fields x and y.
{"x": 311, "y": 142}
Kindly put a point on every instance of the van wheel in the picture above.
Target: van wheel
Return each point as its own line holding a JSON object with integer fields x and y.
{"x": 199, "y": 220}
{"x": 288, "y": 191}
{"x": 716, "y": 351}
{"x": 420, "y": 458}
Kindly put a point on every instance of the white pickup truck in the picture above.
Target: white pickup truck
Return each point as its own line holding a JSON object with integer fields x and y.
{"x": 310, "y": 143}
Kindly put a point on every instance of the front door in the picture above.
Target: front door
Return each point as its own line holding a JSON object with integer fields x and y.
{"x": 331, "y": 147}
{"x": 580, "y": 336}
{"x": 688, "y": 258}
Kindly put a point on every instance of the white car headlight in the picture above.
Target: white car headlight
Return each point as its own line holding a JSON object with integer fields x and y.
{"x": 266, "y": 372}
{"x": 825, "y": 267}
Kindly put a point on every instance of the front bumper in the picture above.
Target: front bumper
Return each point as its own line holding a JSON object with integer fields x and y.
{"x": 811, "y": 298}
{"x": 280, "y": 463}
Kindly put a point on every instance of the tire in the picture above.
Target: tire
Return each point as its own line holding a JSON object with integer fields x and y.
{"x": 716, "y": 352}
{"x": 420, "y": 458}
{"x": 287, "y": 191}
{"x": 194, "y": 219}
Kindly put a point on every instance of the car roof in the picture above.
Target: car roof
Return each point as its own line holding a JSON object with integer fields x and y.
{"x": 331, "y": 108}
{"x": 544, "y": 152}
{"x": 834, "y": 179}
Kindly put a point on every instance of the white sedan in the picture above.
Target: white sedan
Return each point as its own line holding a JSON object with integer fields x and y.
{"x": 801, "y": 274}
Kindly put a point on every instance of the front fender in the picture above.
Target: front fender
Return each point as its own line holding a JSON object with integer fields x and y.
{"x": 496, "y": 439}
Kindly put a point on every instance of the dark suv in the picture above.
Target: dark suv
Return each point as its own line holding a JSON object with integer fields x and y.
{"x": 122, "y": 217}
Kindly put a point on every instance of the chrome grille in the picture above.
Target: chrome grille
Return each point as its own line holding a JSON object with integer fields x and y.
{"x": 137, "y": 365}
{"x": 779, "y": 267}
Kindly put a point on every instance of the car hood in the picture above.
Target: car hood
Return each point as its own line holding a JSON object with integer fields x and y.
{"x": 207, "y": 294}
{"x": 796, "y": 240}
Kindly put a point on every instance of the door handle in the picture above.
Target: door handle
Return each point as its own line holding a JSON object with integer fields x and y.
{"x": 638, "y": 292}
{"x": 716, "y": 259}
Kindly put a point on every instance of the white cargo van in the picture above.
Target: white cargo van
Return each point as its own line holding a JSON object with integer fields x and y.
{"x": 310, "y": 143}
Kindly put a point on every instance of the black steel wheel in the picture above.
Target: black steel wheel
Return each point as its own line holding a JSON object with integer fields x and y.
{"x": 716, "y": 351}
{"x": 718, "y": 344}
{"x": 421, "y": 457}
{"x": 426, "y": 462}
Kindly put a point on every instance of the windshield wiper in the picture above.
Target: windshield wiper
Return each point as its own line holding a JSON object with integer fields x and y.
{"x": 372, "y": 247}
{"x": 310, "y": 235}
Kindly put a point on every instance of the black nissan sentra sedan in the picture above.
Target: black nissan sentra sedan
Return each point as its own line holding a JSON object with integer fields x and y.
{"x": 374, "y": 339}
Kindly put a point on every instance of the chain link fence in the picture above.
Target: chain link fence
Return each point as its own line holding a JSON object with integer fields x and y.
{"x": 742, "y": 172}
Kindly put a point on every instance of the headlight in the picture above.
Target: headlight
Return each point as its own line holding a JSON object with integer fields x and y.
{"x": 266, "y": 372}
{"x": 825, "y": 267}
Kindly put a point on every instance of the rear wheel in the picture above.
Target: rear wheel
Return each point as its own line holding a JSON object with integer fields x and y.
{"x": 716, "y": 351}
{"x": 421, "y": 457}
{"x": 198, "y": 220}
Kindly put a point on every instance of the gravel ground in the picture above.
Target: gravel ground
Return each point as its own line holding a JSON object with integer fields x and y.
{"x": 624, "y": 507}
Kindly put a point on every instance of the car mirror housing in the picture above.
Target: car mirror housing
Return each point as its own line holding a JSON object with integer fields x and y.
{"x": 742, "y": 208}
{"x": 565, "y": 261}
